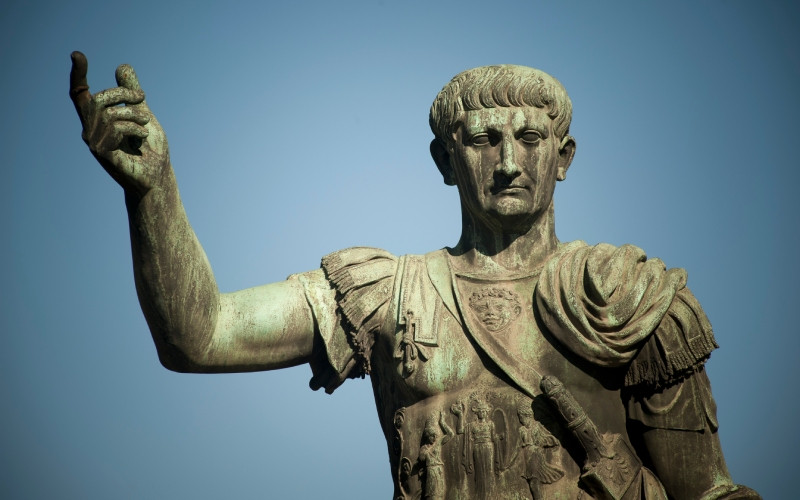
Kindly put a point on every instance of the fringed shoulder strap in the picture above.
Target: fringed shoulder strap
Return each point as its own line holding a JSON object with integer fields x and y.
{"x": 363, "y": 279}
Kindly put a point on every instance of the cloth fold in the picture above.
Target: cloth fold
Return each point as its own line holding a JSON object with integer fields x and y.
{"x": 614, "y": 307}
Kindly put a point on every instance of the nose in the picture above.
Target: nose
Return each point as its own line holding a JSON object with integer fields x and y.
{"x": 508, "y": 162}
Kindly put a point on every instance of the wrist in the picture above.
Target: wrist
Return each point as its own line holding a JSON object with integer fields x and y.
{"x": 158, "y": 195}
{"x": 163, "y": 181}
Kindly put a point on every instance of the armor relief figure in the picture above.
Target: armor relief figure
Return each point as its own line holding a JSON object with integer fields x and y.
{"x": 616, "y": 328}
{"x": 480, "y": 453}
{"x": 436, "y": 434}
{"x": 495, "y": 307}
{"x": 532, "y": 450}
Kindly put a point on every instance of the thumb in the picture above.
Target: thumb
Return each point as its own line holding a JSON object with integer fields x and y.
{"x": 126, "y": 77}
{"x": 78, "y": 86}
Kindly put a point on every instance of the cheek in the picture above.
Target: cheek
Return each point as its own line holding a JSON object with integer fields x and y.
{"x": 542, "y": 165}
{"x": 483, "y": 169}
{"x": 526, "y": 159}
{"x": 473, "y": 167}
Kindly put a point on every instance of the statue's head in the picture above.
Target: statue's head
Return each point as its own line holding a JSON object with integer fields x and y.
{"x": 502, "y": 136}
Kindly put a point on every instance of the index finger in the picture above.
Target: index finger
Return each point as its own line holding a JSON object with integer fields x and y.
{"x": 117, "y": 95}
{"x": 78, "y": 86}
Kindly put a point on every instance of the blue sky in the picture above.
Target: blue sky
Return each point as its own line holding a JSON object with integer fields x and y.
{"x": 297, "y": 130}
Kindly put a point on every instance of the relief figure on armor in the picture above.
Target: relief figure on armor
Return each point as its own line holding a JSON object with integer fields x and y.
{"x": 508, "y": 313}
{"x": 430, "y": 457}
{"x": 479, "y": 453}
{"x": 495, "y": 307}
{"x": 532, "y": 449}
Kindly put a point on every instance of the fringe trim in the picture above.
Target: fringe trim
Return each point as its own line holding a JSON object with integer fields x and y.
{"x": 654, "y": 368}
{"x": 362, "y": 278}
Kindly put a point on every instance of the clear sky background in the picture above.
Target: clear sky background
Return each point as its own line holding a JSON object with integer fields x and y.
{"x": 300, "y": 128}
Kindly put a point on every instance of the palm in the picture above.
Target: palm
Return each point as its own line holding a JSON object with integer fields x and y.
{"x": 140, "y": 161}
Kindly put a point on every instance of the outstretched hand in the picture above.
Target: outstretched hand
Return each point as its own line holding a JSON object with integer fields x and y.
{"x": 120, "y": 129}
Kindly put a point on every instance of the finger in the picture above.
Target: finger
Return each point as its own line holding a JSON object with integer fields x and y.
{"x": 118, "y": 95}
{"x": 130, "y": 129}
{"x": 126, "y": 77}
{"x": 78, "y": 86}
{"x": 112, "y": 139}
{"x": 128, "y": 113}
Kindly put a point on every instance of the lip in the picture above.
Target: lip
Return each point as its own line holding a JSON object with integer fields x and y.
{"x": 512, "y": 189}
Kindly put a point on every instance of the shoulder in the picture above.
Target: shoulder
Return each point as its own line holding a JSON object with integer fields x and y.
{"x": 615, "y": 284}
{"x": 349, "y": 297}
{"x": 358, "y": 267}
{"x": 363, "y": 279}
{"x": 357, "y": 263}
{"x": 608, "y": 274}
{"x": 360, "y": 274}
{"x": 605, "y": 262}
{"x": 613, "y": 307}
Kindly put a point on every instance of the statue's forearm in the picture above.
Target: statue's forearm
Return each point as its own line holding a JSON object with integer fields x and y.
{"x": 174, "y": 281}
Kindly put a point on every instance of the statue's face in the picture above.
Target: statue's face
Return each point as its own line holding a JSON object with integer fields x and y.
{"x": 506, "y": 162}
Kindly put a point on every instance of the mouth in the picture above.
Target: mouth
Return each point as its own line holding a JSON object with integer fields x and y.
{"x": 510, "y": 189}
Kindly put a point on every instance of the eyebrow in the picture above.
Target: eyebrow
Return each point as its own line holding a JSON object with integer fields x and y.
{"x": 529, "y": 124}
{"x": 536, "y": 126}
{"x": 539, "y": 127}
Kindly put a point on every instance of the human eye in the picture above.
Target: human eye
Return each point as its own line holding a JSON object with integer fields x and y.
{"x": 479, "y": 139}
{"x": 530, "y": 137}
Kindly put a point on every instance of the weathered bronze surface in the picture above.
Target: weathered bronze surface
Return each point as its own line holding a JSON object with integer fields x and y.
{"x": 509, "y": 366}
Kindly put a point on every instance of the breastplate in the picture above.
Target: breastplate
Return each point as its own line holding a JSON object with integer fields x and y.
{"x": 456, "y": 379}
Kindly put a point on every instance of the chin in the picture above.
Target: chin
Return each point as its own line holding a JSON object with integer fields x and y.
{"x": 512, "y": 222}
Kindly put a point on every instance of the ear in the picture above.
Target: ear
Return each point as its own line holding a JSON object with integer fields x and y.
{"x": 442, "y": 159}
{"x": 565, "y": 153}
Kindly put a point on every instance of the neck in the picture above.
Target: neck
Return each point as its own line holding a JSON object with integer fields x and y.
{"x": 492, "y": 251}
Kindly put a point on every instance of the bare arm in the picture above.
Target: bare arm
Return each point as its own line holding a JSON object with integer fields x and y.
{"x": 448, "y": 431}
{"x": 194, "y": 327}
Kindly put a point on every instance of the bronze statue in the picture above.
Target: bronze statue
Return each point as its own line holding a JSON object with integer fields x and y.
{"x": 597, "y": 350}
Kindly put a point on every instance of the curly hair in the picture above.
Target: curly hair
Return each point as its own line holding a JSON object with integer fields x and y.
{"x": 499, "y": 293}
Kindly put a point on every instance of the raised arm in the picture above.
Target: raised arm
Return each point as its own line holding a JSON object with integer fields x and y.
{"x": 194, "y": 327}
